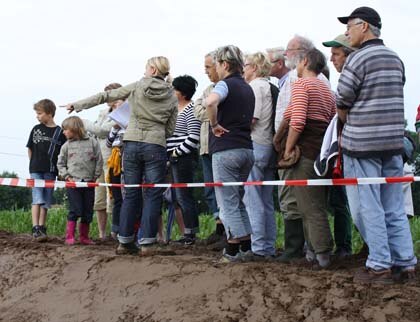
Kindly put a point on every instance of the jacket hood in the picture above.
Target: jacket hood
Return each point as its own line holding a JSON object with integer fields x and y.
{"x": 157, "y": 89}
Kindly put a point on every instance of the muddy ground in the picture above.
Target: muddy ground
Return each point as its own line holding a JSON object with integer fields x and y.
{"x": 53, "y": 282}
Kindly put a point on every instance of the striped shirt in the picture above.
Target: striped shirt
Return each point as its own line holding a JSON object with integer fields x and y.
{"x": 311, "y": 99}
{"x": 115, "y": 137}
{"x": 371, "y": 89}
{"x": 187, "y": 132}
{"x": 285, "y": 92}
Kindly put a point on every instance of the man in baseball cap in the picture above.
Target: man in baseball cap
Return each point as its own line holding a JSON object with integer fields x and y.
{"x": 340, "y": 49}
{"x": 370, "y": 103}
{"x": 365, "y": 13}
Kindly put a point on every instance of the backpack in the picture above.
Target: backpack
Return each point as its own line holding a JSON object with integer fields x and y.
{"x": 274, "y": 96}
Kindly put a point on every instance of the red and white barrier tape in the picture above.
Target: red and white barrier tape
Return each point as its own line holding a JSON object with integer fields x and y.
{"x": 30, "y": 183}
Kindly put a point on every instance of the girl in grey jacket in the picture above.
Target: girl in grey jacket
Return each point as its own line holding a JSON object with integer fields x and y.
{"x": 80, "y": 160}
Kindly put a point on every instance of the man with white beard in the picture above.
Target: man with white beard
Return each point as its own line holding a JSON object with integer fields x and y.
{"x": 294, "y": 239}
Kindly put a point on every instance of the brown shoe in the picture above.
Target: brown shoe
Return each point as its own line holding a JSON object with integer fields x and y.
{"x": 403, "y": 274}
{"x": 369, "y": 275}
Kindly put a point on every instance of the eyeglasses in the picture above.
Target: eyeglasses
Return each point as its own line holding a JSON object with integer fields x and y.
{"x": 355, "y": 24}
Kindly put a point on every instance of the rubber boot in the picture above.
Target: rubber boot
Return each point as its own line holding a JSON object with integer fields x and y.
{"x": 70, "y": 228}
{"x": 294, "y": 241}
{"x": 84, "y": 234}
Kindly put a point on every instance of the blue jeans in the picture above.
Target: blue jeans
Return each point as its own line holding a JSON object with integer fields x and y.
{"x": 182, "y": 172}
{"x": 378, "y": 212}
{"x": 42, "y": 196}
{"x": 142, "y": 162}
{"x": 259, "y": 201}
{"x": 209, "y": 191}
{"x": 233, "y": 166}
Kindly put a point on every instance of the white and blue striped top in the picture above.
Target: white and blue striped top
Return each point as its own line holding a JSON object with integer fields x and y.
{"x": 186, "y": 136}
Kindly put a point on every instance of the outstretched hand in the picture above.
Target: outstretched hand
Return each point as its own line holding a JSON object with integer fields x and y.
{"x": 69, "y": 107}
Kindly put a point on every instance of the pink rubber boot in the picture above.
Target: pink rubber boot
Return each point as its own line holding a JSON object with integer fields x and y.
{"x": 70, "y": 228}
{"x": 84, "y": 234}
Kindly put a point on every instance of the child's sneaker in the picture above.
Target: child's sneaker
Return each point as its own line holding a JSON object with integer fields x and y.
{"x": 36, "y": 233}
{"x": 43, "y": 234}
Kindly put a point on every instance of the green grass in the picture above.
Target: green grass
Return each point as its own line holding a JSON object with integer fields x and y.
{"x": 19, "y": 221}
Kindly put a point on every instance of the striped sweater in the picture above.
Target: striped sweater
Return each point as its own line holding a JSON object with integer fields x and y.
{"x": 311, "y": 99}
{"x": 371, "y": 89}
{"x": 187, "y": 132}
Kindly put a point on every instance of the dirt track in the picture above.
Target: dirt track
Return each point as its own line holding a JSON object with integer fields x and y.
{"x": 52, "y": 282}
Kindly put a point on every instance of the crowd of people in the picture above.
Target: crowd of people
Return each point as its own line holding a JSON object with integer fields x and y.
{"x": 245, "y": 127}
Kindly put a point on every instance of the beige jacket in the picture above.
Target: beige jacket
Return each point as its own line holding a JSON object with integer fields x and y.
{"x": 154, "y": 109}
{"x": 201, "y": 114}
{"x": 100, "y": 128}
{"x": 80, "y": 159}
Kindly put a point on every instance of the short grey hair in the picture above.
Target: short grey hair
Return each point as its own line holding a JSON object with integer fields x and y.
{"x": 375, "y": 30}
{"x": 212, "y": 55}
{"x": 277, "y": 53}
{"x": 233, "y": 56}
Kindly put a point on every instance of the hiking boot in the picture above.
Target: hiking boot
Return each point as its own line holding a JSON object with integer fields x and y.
{"x": 403, "y": 274}
{"x": 43, "y": 234}
{"x": 186, "y": 241}
{"x": 155, "y": 249}
{"x": 369, "y": 275}
{"x": 127, "y": 249}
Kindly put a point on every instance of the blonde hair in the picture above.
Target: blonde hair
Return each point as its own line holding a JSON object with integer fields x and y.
{"x": 261, "y": 62}
{"x": 74, "y": 124}
{"x": 161, "y": 64}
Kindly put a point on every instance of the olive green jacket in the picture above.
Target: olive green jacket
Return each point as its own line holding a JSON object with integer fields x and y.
{"x": 154, "y": 109}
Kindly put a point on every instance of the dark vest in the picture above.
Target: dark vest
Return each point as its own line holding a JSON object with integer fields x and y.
{"x": 234, "y": 114}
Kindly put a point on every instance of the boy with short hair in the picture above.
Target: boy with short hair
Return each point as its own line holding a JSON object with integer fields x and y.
{"x": 44, "y": 144}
